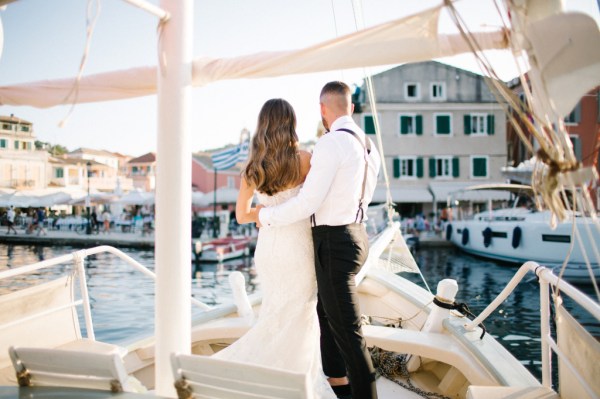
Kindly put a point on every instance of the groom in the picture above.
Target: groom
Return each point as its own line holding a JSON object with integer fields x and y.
{"x": 335, "y": 195}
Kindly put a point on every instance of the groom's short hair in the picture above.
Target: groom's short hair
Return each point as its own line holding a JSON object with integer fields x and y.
{"x": 337, "y": 95}
{"x": 336, "y": 87}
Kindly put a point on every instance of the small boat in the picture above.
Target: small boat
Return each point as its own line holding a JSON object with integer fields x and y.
{"x": 222, "y": 249}
{"x": 520, "y": 233}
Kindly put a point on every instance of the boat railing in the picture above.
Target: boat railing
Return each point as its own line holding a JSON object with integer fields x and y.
{"x": 77, "y": 258}
{"x": 546, "y": 279}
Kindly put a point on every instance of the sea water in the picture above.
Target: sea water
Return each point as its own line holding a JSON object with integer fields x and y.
{"x": 122, "y": 299}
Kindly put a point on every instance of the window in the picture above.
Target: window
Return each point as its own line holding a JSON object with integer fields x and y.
{"x": 411, "y": 124}
{"x": 576, "y": 142}
{"x": 17, "y": 144}
{"x": 6, "y": 126}
{"x": 148, "y": 169}
{"x": 408, "y": 167}
{"x": 479, "y": 124}
{"x": 412, "y": 91}
{"x": 479, "y": 167}
{"x": 575, "y": 116}
{"x": 59, "y": 173}
{"x": 368, "y": 124}
{"x": 438, "y": 91}
{"x": 443, "y": 124}
{"x": 3, "y": 143}
{"x": 443, "y": 167}
{"x": 24, "y": 128}
{"x": 134, "y": 170}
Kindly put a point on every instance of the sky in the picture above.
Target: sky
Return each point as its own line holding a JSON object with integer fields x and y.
{"x": 46, "y": 40}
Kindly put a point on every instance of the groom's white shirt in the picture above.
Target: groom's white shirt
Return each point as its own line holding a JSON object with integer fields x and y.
{"x": 333, "y": 185}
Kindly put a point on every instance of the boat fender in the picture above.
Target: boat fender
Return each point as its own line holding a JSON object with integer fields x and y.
{"x": 516, "y": 238}
{"x": 465, "y": 236}
{"x": 446, "y": 292}
{"x": 487, "y": 237}
{"x": 240, "y": 296}
{"x": 448, "y": 232}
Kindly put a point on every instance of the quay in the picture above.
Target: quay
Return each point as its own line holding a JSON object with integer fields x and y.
{"x": 121, "y": 239}
{"x": 114, "y": 238}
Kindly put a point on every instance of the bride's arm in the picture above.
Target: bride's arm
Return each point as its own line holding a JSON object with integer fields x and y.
{"x": 244, "y": 213}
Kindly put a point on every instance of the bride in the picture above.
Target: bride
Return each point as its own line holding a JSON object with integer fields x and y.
{"x": 286, "y": 334}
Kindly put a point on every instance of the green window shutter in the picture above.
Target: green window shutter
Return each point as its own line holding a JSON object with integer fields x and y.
{"x": 443, "y": 124}
{"x": 16, "y": 144}
{"x": 369, "y": 124}
{"x": 490, "y": 124}
{"x": 419, "y": 119}
{"x": 2, "y": 143}
{"x": 419, "y": 167}
{"x": 467, "y": 123}
{"x": 455, "y": 167}
{"x": 431, "y": 167}
{"x": 396, "y": 168}
{"x": 404, "y": 120}
{"x": 479, "y": 167}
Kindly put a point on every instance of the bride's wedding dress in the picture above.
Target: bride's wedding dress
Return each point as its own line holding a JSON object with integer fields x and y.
{"x": 286, "y": 333}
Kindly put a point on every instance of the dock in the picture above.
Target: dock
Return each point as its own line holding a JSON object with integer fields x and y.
{"x": 121, "y": 239}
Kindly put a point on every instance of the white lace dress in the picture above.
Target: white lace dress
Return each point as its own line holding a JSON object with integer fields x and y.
{"x": 286, "y": 333}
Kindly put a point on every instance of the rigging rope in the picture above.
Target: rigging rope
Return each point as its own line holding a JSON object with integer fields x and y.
{"x": 90, "y": 23}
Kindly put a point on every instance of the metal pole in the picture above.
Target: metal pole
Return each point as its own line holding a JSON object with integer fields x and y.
{"x": 173, "y": 191}
{"x": 88, "y": 229}
{"x": 215, "y": 207}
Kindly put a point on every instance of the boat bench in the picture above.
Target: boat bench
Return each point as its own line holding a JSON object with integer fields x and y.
{"x": 434, "y": 346}
{"x": 204, "y": 377}
{"x": 485, "y": 392}
{"x": 73, "y": 368}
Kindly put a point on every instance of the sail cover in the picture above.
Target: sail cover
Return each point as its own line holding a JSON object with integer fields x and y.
{"x": 410, "y": 39}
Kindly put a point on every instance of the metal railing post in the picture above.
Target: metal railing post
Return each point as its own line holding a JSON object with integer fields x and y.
{"x": 78, "y": 258}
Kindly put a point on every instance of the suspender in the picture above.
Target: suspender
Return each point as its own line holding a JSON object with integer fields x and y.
{"x": 367, "y": 150}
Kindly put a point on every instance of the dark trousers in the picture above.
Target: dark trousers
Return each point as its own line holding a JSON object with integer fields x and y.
{"x": 340, "y": 252}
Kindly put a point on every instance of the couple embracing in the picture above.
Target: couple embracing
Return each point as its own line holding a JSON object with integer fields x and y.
{"x": 312, "y": 242}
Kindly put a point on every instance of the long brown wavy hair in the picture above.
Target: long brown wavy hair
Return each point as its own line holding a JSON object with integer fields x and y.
{"x": 274, "y": 163}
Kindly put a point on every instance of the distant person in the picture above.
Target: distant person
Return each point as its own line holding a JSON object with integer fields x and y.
{"x": 41, "y": 217}
{"x": 106, "y": 221}
{"x": 10, "y": 220}
{"x": 33, "y": 225}
{"x": 94, "y": 220}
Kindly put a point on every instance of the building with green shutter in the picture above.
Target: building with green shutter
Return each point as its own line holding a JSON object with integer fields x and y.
{"x": 442, "y": 130}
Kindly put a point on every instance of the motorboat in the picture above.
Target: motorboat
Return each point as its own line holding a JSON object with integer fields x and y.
{"x": 519, "y": 232}
{"x": 222, "y": 249}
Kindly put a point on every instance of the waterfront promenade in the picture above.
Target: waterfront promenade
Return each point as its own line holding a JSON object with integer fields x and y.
{"x": 117, "y": 238}
{"x": 68, "y": 237}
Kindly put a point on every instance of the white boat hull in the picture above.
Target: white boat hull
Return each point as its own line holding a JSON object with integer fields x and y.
{"x": 538, "y": 242}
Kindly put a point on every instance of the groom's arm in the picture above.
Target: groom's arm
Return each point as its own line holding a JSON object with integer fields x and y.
{"x": 323, "y": 167}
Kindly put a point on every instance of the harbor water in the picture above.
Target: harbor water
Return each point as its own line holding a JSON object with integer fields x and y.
{"x": 122, "y": 299}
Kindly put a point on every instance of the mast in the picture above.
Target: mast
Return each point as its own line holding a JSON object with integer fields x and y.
{"x": 173, "y": 191}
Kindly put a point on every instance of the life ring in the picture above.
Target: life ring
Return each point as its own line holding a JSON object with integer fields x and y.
{"x": 448, "y": 232}
{"x": 516, "y": 237}
{"x": 487, "y": 237}
{"x": 465, "y": 236}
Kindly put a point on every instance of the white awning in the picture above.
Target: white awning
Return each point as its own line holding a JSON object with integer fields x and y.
{"x": 403, "y": 194}
{"x": 441, "y": 191}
